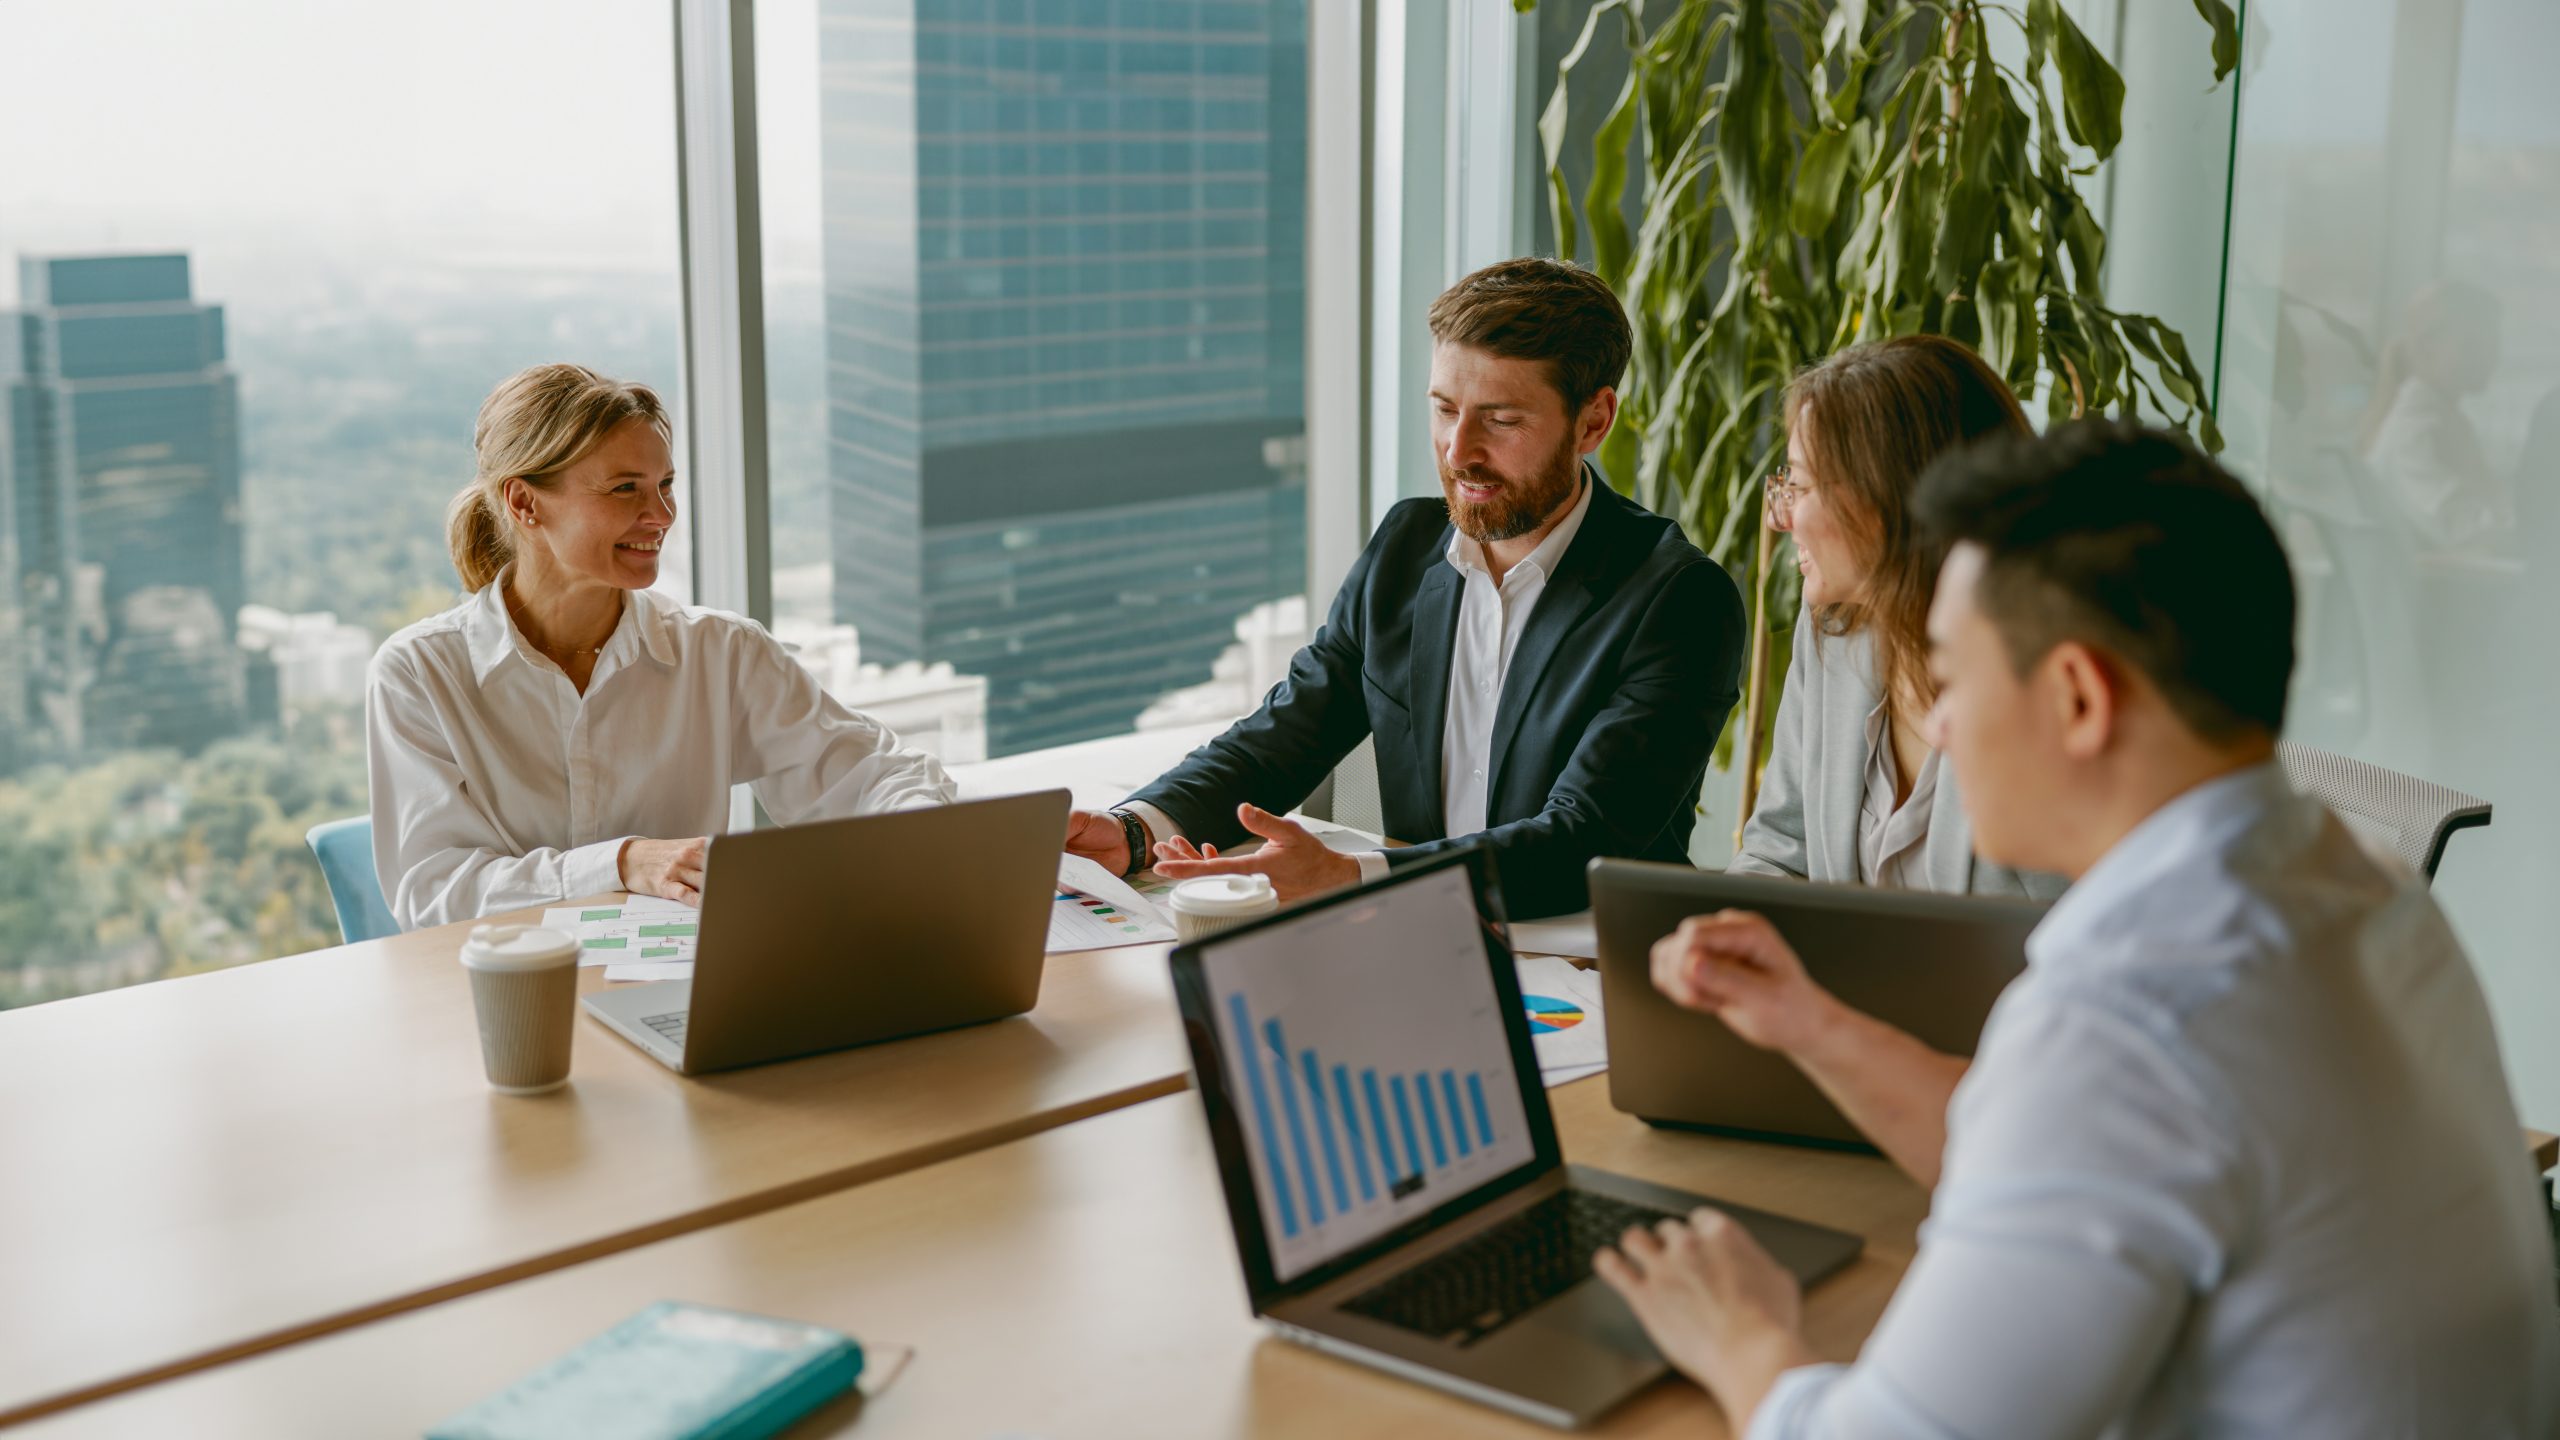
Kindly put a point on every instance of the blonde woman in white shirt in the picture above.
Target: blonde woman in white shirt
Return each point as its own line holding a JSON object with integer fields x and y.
{"x": 567, "y": 729}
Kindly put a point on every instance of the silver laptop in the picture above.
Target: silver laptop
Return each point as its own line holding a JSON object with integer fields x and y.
{"x": 1929, "y": 964}
{"x": 1390, "y": 1166}
{"x": 816, "y": 937}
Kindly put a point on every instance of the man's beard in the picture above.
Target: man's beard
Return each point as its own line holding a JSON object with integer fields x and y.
{"x": 1520, "y": 506}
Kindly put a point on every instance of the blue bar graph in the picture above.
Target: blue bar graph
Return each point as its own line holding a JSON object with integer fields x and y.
{"x": 1387, "y": 1169}
{"x": 1324, "y": 1129}
{"x": 1297, "y": 1128}
{"x": 1404, "y": 1113}
{"x": 1457, "y": 1127}
{"x": 1430, "y": 1121}
{"x": 1262, "y": 1113}
{"x": 1351, "y": 1129}
{"x": 1322, "y": 1122}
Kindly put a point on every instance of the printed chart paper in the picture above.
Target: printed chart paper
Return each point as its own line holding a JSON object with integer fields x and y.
{"x": 643, "y": 934}
{"x": 1564, "y": 1018}
{"x": 1095, "y": 910}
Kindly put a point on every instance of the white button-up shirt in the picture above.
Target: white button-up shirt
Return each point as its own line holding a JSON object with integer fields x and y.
{"x": 497, "y": 785}
{"x": 2236, "y": 1158}
{"x": 1893, "y": 839}
{"x": 1491, "y": 617}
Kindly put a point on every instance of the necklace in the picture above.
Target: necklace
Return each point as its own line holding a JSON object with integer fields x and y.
{"x": 521, "y": 630}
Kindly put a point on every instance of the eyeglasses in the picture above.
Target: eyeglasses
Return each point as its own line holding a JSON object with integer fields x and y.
{"x": 1779, "y": 494}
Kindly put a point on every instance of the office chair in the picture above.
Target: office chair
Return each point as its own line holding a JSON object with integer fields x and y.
{"x": 345, "y": 848}
{"x": 1349, "y": 796}
{"x": 2400, "y": 813}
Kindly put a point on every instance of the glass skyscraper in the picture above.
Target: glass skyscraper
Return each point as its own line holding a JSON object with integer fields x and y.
{"x": 1066, "y": 339}
{"x": 120, "y": 537}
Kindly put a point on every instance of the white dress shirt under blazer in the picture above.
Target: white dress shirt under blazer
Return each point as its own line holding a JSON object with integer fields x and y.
{"x": 2235, "y": 1158}
{"x": 1491, "y": 617}
{"x": 497, "y": 785}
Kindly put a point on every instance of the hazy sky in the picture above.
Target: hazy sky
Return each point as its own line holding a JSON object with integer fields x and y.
{"x": 261, "y": 132}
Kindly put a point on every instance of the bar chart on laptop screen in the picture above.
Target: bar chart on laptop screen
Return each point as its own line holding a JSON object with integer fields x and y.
{"x": 1368, "y": 1063}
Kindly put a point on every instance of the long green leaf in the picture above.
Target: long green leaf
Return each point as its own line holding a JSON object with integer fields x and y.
{"x": 1553, "y": 122}
{"x": 2092, "y": 91}
{"x": 1964, "y": 234}
{"x": 1818, "y": 177}
{"x": 1600, "y": 203}
{"x": 1751, "y": 145}
{"x": 2226, "y": 36}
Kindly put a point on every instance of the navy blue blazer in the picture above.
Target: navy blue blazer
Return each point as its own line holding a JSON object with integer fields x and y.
{"x": 1612, "y": 703}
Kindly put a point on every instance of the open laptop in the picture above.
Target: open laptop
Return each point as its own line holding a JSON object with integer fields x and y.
{"x": 1389, "y": 1162}
{"x": 1929, "y": 964}
{"x": 816, "y": 937}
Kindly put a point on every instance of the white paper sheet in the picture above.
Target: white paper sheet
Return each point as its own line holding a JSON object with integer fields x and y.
{"x": 1565, "y": 1022}
{"x": 1563, "y": 935}
{"x": 651, "y": 970}
{"x": 1095, "y": 910}
{"x": 642, "y": 928}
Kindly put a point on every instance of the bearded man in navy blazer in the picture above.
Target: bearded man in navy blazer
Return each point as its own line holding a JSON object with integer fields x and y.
{"x": 1545, "y": 665}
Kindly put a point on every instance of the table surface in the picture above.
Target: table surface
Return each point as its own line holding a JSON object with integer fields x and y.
{"x": 1081, "y": 1282}
{"x": 201, "y": 1168}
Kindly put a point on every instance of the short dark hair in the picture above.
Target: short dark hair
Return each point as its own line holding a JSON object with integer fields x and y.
{"x": 2129, "y": 539}
{"x": 1538, "y": 309}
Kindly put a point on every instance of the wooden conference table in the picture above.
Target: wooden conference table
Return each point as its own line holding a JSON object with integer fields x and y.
{"x": 203, "y": 1168}
{"x": 1081, "y": 1282}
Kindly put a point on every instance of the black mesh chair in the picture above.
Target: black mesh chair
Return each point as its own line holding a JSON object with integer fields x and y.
{"x": 2400, "y": 813}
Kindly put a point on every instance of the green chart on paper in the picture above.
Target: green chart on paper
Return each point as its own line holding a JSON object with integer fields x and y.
{"x": 641, "y": 929}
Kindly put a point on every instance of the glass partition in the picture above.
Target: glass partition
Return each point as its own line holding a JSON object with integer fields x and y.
{"x": 2390, "y": 378}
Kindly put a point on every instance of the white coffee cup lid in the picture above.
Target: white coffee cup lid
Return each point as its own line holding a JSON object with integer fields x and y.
{"x": 1226, "y": 895}
{"x": 517, "y": 947}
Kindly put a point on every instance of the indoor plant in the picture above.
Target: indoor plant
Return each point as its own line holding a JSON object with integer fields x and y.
{"x": 1812, "y": 173}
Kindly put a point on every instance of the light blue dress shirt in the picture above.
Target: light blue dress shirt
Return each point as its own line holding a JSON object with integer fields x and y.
{"x": 2235, "y": 1158}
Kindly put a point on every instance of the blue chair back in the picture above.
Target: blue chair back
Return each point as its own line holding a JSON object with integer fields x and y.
{"x": 345, "y": 848}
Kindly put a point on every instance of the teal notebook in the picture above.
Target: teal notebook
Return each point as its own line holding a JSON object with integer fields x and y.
{"x": 672, "y": 1372}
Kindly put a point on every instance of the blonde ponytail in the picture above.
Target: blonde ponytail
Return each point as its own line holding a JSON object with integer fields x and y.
{"x": 481, "y": 545}
{"x": 538, "y": 422}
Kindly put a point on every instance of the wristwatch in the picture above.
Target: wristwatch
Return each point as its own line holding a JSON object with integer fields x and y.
{"x": 1140, "y": 839}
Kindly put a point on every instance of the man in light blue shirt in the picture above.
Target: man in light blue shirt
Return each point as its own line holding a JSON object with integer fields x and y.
{"x": 2236, "y": 1154}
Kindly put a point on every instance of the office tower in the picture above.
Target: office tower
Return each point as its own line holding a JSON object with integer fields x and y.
{"x": 120, "y": 473}
{"x": 1065, "y": 267}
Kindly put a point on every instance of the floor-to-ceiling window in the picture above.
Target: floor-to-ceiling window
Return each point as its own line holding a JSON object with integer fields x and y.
{"x": 259, "y": 263}
{"x": 1035, "y": 316}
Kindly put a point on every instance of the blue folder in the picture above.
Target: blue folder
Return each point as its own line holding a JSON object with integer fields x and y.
{"x": 672, "y": 1372}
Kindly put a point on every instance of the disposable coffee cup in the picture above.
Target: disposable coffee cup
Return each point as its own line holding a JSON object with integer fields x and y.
{"x": 524, "y": 984}
{"x": 1220, "y": 902}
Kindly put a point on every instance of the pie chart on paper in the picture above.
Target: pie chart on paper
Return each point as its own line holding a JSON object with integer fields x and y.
{"x": 1548, "y": 1014}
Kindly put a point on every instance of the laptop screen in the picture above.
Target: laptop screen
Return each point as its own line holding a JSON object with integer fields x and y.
{"x": 1367, "y": 1064}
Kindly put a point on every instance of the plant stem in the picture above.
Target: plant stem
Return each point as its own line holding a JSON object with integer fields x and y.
{"x": 1756, "y": 699}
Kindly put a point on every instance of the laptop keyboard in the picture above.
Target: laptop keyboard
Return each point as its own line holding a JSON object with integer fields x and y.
{"x": 1466, "y": 1293}
{"x": 669, "y": 1025}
